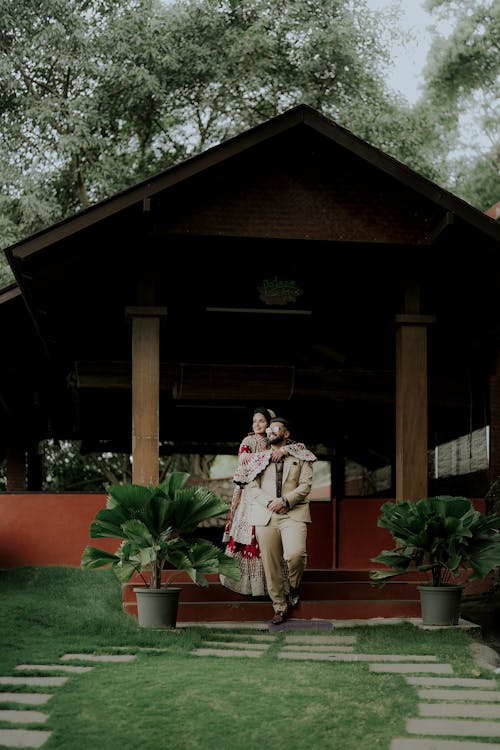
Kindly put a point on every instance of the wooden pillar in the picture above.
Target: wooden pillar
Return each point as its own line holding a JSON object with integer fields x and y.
{"x": 411, "y": 398}
{"x": 145, "y": 393}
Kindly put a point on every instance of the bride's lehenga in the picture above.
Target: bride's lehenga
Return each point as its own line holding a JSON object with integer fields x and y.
{"x": 239, "y": 534}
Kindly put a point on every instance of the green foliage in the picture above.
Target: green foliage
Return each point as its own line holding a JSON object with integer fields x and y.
{"x": 66, "y": 469}
{"x": 468, "y": 58}
{"x": 463, "y": 89}
{"x": 157, "y": 524}
{"x": 476, "y": 179}
{"x": 97, "y": 96}
{"x": 442, "y": 536}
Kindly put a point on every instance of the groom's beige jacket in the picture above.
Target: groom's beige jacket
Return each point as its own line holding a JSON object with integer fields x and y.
{"x": 296, "y": 486}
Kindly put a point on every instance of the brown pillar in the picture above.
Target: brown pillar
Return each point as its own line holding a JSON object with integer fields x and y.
{"x": 411, "y": 406}
{"x": 145, "y": 393}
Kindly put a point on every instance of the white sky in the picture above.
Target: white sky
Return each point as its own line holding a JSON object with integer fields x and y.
{"x": 408, "y": 61}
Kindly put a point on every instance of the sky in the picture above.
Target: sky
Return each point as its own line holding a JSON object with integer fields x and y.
{"x": 408, "y": 62}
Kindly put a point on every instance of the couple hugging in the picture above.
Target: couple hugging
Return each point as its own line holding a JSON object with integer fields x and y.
{"x": 266, "y": 529}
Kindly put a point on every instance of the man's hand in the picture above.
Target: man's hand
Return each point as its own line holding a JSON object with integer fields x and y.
{"x": 276, "y": 505}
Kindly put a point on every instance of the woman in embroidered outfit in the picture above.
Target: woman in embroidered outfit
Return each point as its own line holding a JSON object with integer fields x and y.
{"x": 253, "y": 456}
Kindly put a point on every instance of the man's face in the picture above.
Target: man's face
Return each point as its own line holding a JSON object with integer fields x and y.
{"x": 276, "y": 433}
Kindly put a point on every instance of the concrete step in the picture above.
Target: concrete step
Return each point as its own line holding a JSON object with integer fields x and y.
{"x": 325, "y": 594}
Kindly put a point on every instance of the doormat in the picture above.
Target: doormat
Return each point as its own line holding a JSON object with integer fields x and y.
{"x": 301, "y": 625}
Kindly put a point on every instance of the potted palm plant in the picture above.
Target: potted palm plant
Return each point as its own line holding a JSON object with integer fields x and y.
{"x": 448, "y": 541}
{"x": 157, "y": 526}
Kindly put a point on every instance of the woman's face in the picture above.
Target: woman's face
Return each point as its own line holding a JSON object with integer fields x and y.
{"x": 259, "y": 424}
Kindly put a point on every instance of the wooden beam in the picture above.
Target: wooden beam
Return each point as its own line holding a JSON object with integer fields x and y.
{"x": 262, "y": 381}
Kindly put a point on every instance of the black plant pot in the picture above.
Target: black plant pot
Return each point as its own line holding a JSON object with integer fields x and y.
{"x": 157, "y": 608}
{"x": 440, "y": 605}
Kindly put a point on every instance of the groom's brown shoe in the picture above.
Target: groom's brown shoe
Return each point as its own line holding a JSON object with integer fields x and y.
{"x": 278, "y": 618}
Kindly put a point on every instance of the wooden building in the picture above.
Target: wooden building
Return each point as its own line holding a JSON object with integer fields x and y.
{"x": 293, "y": 266}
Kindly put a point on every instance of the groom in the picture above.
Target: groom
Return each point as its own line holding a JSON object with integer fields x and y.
{"x": 279, "y": 510}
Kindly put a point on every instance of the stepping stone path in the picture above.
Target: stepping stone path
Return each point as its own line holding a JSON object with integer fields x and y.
{"x": 36, "y": 737}
{"x": 450, "y": 707}
{"x": 455, "y": 707}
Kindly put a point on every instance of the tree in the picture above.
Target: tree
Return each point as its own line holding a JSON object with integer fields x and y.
{"x": 463, "y": 83}
{"x": 99, "y": 94}
{"x": 66, "y": 469}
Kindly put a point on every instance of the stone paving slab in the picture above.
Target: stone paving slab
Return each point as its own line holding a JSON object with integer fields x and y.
{"x": 468, "y": 682}
{"x": 23, "y": 717}
{"x": 224, "y": 652}
{"x": 295, "y": 624}
{"x": 408, "y": 743}
{"x": 260, "y": 637}
{"x": 454, "y": 727}
{"x": 237, "y": 625}
{"x": 52, "y": 668}
{"x": 23, "y": 737}
{"x": 460, "y": 710}
{"x": 460, "y": 695}
{"x": 309, "y": 656}
{"x": 384, "y": 658}
{"x": 34, "y": 699}
{"x": 306, "y": 647}
{"x": 326, "y": 639}
{"x": 254, "y": 646}
{"x": 100, "y": 658}
{"x": 403, "y": 668}
{"x": 159, "y": 649}
{"x": 43, "y": 681}
{"x": 336, "y": 624}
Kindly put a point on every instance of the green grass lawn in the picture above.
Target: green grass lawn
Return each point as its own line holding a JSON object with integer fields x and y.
{"x": 170, "y": 698}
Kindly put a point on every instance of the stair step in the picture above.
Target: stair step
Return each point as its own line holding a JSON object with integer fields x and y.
{"x": 325, "y": 594}
{"x": 252, "y": 611}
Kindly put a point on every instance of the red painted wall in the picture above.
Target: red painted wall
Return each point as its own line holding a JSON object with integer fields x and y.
{"x": 43, "y": 529}
{"x": 359, "y": 537}
{"x": 53, "y": 529}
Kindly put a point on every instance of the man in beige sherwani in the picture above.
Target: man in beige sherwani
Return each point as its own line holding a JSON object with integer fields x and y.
{"x": 279, "y": 510}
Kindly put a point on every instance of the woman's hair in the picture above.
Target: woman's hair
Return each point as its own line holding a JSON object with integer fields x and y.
{"x": 267, "y": 413}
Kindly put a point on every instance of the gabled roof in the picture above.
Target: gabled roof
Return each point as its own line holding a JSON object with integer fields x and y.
{"x": 195, "y": 165}
{"x": 296, "y": 199}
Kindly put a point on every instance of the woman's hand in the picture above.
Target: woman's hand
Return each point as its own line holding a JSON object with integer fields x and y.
{"x": 277, "y": 455}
